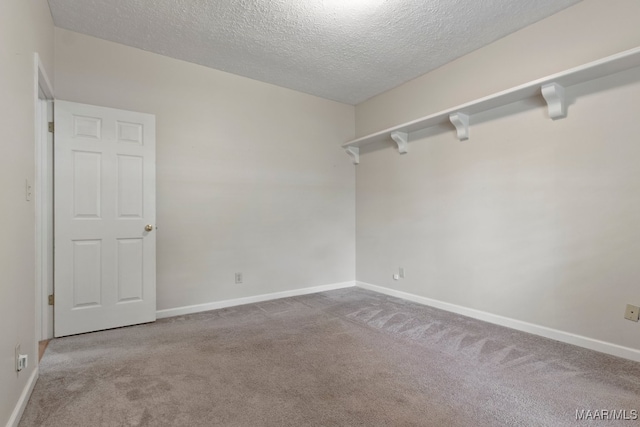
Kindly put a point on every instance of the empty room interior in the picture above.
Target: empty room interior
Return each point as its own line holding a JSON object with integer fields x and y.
{"x": 318, "y": 213}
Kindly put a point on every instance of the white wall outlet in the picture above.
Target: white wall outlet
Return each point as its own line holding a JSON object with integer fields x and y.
{"x": 396, "y": 276}
{"x": 401, "y": 272}
{"x": 238, "y": 278}
{"x": 632, "y": 312}
{"x": 22, "y": 360}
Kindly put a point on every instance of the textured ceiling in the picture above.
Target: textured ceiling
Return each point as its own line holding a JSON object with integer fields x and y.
{"x": 344, "y": 50}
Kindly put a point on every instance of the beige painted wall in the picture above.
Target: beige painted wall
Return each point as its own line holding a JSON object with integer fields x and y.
{"x": 532, "y": 219}
{"x": 25, "y": 27}
{"x": 250, "y": 176}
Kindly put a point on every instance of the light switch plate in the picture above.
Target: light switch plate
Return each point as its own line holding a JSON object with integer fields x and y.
{"x": 632, "y": 313}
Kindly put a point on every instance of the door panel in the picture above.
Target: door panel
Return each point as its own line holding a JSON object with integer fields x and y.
{"x": 130, "y": 187}
{"x": 104, "y": 198}
{"x": 87, "y": 273}
{"x": 130, "y": 272}
{"x": 87, "y": 184}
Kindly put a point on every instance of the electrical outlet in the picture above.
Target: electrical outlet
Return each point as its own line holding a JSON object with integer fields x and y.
{"x": 401, "y": 272}
{"x": 631, "y": 313}
{"x": 22, "y": 360}
{"x": 396, "y": 277}
{"x": 238, "y": 278}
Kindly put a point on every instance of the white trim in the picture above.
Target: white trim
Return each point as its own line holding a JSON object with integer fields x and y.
{"x": 15, "y": 417}
{"x": 42, "y": 197}
{"x": 543, "y": 331}
{"x": 180, "y": 311}
{"x": 39, "y": 218}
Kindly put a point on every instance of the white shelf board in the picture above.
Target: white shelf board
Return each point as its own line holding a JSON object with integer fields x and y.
{"x": 591, "y": 71}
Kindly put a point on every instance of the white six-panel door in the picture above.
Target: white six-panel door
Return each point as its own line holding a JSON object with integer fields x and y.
{"x": 104, "y": 179}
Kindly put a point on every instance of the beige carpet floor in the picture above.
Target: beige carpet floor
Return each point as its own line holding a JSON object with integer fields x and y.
{"x": 342, "y": 358}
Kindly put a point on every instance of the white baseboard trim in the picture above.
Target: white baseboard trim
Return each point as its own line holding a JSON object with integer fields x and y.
{"x": 180, "y": 311}
{"x": 14, "y": 419}
{"x": 543, "y": 331}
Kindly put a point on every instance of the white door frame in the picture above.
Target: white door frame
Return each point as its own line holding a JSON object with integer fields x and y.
{"x": 43, "y": 196}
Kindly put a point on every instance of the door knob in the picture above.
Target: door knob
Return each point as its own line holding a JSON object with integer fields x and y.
{"x": 148, "y": 227}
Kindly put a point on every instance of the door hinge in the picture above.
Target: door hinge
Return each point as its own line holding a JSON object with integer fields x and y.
{"x": 51, "y": 300}
{"x": 51, "y": 127}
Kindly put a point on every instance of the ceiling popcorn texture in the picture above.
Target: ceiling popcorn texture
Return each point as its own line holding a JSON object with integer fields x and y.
{"x": 344, "y": 50}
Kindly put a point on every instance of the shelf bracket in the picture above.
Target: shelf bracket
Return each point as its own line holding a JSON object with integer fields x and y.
{"x": 461, "y": 122}
{"x": 402, "y": 139}
{"x": 553, "y": 93}
{"x": 354, "y": 153}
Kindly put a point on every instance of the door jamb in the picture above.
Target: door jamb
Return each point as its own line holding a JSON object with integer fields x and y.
{"x": 43, "y": 195}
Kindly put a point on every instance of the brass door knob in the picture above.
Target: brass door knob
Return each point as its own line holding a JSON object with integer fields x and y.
{"x": 148, "y": 227}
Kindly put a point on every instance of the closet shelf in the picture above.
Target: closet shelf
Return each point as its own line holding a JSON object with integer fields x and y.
{"x": 551, "y": 88}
